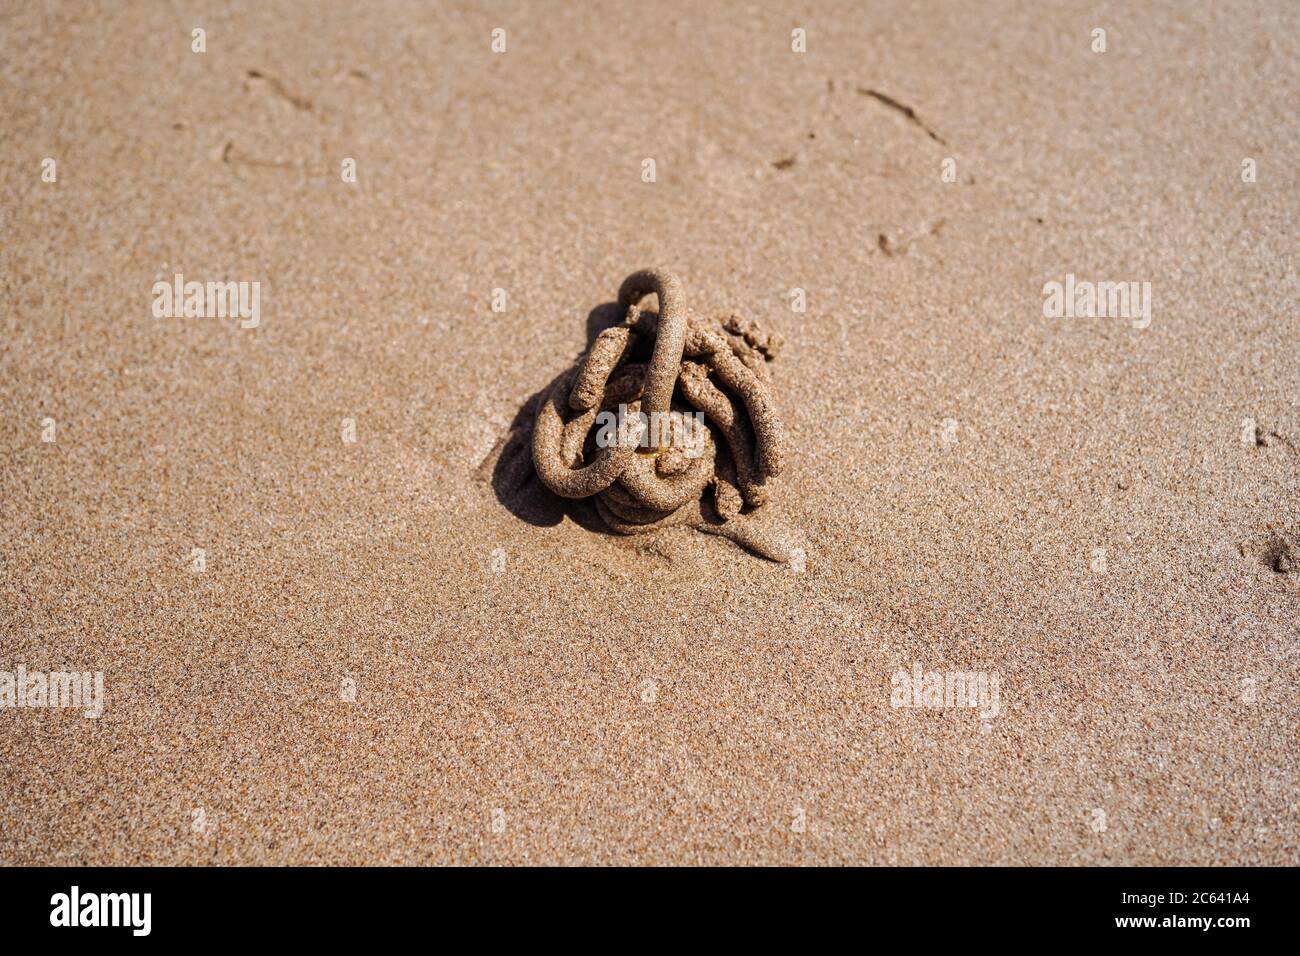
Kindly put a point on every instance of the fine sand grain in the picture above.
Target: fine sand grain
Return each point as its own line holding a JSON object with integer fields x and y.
{"x": 399, "y": 650}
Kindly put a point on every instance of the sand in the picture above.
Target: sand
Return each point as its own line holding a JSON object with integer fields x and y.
{"x": 386, "y": 658}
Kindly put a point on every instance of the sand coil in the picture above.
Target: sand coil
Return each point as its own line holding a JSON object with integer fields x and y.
{"x": 652, "y": 471}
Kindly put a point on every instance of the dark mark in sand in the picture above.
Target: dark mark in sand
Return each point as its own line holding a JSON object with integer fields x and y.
{"x": 903, "y": 108}
{"x": 278, "y": 88}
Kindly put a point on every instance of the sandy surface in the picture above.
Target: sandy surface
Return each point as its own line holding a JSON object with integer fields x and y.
{"x": 528, "y": 689}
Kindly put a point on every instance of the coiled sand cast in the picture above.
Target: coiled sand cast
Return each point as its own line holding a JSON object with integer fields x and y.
{"x": 644, "y": 479}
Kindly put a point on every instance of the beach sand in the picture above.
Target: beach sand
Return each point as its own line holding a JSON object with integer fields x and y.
{"x": 392, "y": 654}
